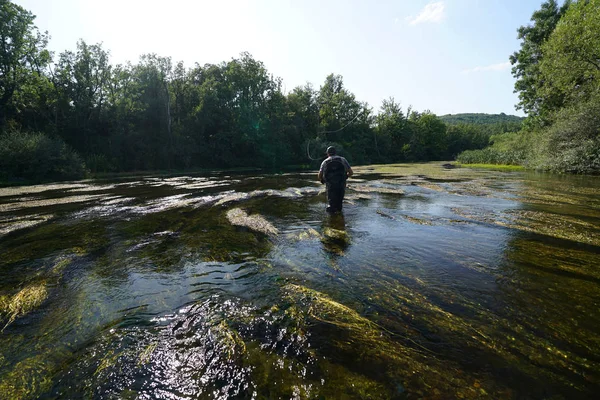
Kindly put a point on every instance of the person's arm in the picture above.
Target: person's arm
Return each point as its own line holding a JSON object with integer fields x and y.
{"x": 320, "y": 176}
{"x": 349, "y": 171}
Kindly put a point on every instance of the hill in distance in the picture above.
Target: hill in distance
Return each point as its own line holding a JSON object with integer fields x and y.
{"x": 483, "y": 119}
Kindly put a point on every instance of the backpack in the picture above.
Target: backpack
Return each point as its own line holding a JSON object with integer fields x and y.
{"x": 334, "y": 172}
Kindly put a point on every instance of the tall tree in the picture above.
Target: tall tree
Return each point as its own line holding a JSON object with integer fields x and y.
{"x": 571, "y": 56}
{"x": 526, "y": 61}
{"x": 303, "y": 120}
{"x": 81, "y": 80}
{"x": 345, "y": 120}
{"x": 337, "y": 107}
{"x": 391, "y": 129}
{"x": 23, "y": 58}
{"x": 429, "y": 140}
{"x": 151, "y": 77}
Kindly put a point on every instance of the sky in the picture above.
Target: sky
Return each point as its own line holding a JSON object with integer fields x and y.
{"x": 446, "y": 56}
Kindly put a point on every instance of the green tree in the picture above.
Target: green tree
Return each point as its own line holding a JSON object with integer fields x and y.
{"x": 392, "y": 133}
{"x": 23, "y": 59}
{"x": 429, "y": 141}
{"x": 251, "y": 88}
{"x": 481, "y": 119}
{"x": 302, "y": 121}
{"x": 337, "y": 108}
{"x": 156, "y": 115}
{"x": 571, "y": 56}
{"x": 81, "y": 82}
{"x": 151, "y": 136}
{"x": 344, "y": 120}
{"x": 526, "y": 61}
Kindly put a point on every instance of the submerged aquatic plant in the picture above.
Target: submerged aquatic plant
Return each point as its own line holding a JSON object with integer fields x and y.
{"x": 27, "y": 300}
{"x": 4, "y": 303}
{"x": 258, "y": 223}
{"x": 26, "y": 380}
{"x": 389, "y": 318}
{"x": 14, "y": 223}
{"x": 395, "y": 364}
{"x": 336, "y": 234}
{"x": 383, "y": 214}
{"x": 307, "y": 235}
{"x": 375, "y": 189}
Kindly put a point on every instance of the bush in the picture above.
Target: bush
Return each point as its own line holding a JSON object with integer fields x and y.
{"x": 99, "y": 163}
{"x": 37, "y": 157}
{"x": 507, "y": 148}
{"x": 572, "y": 142}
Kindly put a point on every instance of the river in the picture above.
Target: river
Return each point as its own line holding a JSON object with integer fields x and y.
{"x": 434, "y": 283}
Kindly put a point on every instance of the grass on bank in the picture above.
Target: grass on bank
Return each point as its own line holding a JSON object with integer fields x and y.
{"x": 500, "y": 167}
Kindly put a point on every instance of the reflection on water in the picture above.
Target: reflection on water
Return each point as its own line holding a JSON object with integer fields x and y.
{"x": 336, "y": 239}
{"x": 433, "y": 283}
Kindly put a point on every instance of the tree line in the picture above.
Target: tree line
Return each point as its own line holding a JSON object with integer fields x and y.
{"x": 64, "y": 115}
{"x": 482, "y": 119}
{"x": 557, "y": 71}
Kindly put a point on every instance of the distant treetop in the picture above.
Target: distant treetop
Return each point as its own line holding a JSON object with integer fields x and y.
{"x": 482, "y": 119}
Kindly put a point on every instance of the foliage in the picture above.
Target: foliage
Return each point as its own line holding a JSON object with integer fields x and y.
{"x": 489, "y": 155}
{"x": 23, "y": 57}
{"x": 22, "y": 303}
{"x": 508, "y": 148}
{"x": 413, "y": 136}
{"x": 498, "y": 167}
{"x": 37, "y": 157}
{"x": 526, "y": 61}
{"x": 571, "y": 56}
{"x": 572, "y": 143}
{"x": 481, "y": 119}
{"x": 557, "y": 71}
{"x": 157, "y": 114}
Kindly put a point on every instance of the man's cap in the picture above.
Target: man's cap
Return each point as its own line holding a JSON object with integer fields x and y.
{"x": 331, "y": 150}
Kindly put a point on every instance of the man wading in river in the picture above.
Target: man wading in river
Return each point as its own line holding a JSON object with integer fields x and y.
{"x": 334, "y": 172}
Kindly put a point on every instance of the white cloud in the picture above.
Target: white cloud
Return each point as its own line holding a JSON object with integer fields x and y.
{"x": 493, "y": 67}
{"x": 433, "y": 12}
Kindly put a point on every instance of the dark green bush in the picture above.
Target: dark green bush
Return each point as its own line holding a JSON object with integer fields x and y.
{"x": 37, "y": 157}
{"x": 99, "y": 163}
{"x": 507, "y": 148}
{"x": 572, "y": 143}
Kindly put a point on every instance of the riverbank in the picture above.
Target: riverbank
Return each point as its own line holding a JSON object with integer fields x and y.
{"x": 497, "y": 167}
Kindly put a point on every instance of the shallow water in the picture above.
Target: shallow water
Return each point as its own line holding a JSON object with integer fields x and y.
{"x": 433, "y": 284}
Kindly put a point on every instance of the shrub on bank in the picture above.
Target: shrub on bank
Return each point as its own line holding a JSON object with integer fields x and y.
{"x": 507, "y": 149}
{"x": 99, "y": 163}
{"x": 37, "y": 157}
{"x": 572, "y": 143}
